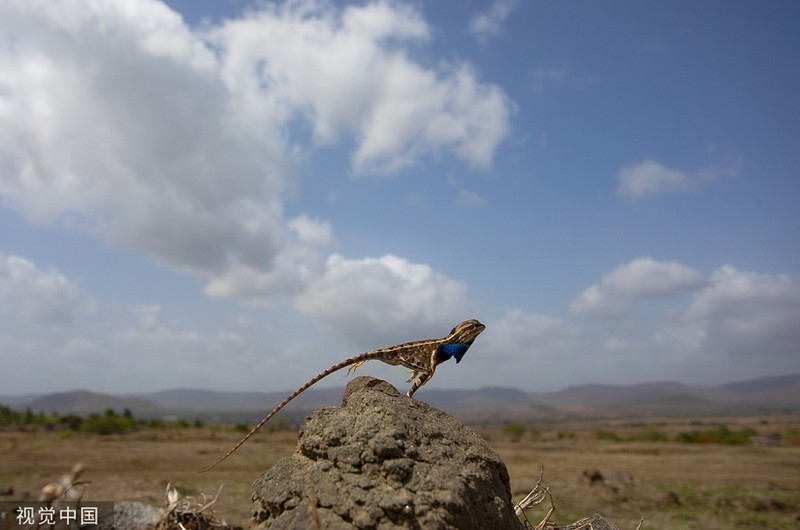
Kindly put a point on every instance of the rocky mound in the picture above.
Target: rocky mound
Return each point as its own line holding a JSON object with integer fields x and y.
{"x": 384, "y": 461}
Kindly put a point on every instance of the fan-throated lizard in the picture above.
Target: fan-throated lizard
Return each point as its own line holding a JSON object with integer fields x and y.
{"x": 421, "y": 357}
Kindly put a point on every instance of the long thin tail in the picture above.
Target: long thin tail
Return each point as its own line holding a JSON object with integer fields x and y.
{"x": 336, "y": 367}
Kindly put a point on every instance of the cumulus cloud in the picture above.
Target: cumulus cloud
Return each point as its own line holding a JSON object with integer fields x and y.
{"x": 42, "y": 318}
{"x": 151, "y": 335}
{"x": 741, "y": 320}
{"x": 351, "y": 72}
{"x": 762, "y": 309}
{"x": 532, "y": 335}
{"x": 489, "y": 23}
{"x": 622, "y": 288}
{"x": 648, "y": 178}
{"x": 32, "y": 295}
{"x": 538, "y": 351}
{"x": 370, "y": 299}
{"x": 300, "y": 260}
{"x": 733, "y": 324}
{"x": 180, "y": 143}
{"x": 114, "y": 120}
{"x": 54, "y": 334}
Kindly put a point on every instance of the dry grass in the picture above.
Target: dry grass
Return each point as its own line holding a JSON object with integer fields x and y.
{"x": 139, "y": 466}
{"x": 671, "y": 485}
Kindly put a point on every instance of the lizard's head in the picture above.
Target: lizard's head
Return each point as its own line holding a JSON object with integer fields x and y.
{"x": 466, "y": 332}
{"x": 460, "y": 339}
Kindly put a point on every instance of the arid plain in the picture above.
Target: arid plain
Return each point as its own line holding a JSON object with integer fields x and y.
{"x": 588, "y": 467}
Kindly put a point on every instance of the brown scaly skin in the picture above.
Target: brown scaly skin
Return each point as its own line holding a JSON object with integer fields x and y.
{"x": 421, "y": 357}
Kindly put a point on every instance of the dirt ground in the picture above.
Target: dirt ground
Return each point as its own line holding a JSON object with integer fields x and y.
{"x": 671, "y": 485}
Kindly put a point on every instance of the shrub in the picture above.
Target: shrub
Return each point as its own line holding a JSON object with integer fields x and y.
{"x": 515, "y": 431}
{"x": 178, "y": 424}
{"x": 71, "y": 421}
{"x": 603, "y": 434}
{"x": 648, "y": 434}
{"x": 108, "y": 423}
{"x": 720, "y": 435}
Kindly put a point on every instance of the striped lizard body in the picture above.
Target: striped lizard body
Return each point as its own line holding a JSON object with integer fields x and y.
{"x": 421, "y": 357}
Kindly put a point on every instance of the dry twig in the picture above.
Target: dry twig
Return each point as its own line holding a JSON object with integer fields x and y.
{"x": 537, "y": 495}
{"x": 187, "y": 513}
{"x": 65, "y": 487}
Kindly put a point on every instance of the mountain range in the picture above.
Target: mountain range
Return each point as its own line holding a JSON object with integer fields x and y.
{"x": 766, "y": 395}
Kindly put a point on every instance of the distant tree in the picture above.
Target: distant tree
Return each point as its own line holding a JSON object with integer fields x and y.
{"x": 108, "y": 423}
{"x": 515, "y": 431}
{"x": 72, "y": 422}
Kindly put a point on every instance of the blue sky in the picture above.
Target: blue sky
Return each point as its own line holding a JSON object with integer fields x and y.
{"x": 235, "y": 195}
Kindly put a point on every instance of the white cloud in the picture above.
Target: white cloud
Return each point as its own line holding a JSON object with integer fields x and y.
{"x": 489, "y": 23}
{"x": 531, "y": 335}
{"x": 732, "y": 325}
{"x": 42, "y": 313}
{"x": 544, "y": 77}
{"x": 386, "y": 299}
{"x": 741, "y": 321}
{"x": 622, "y": 288}
{"x": 469, "y": 199}
{"x": 299, "y": 262}
{"x": 618, "y": 345}
{"x": 464, "y": 197}
{"x": 147, "y": 316}
{"x": 31, "y": 295}
{"x": 119, "y": 119}
{"x": 764, "y": 309}
{"x": 537, "y": 352}
{"x": 106, "y": 129}
{"x": 350, "y": 72}
{"x": 564, "y": 76}
{"x": 734, "y": 292}
{"x": 652, "y": 178}
{"x": 152, "y": 337}
{"x": 160, "y": 351}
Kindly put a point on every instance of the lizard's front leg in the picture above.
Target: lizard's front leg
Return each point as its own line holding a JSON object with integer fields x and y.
{"x": 414, "y": 373}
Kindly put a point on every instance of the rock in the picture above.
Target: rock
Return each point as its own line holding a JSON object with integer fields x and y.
{"x": 383, "y": 461}
{"x": 593, "y": 522}
{"x": 130, "y": 516}
{"x": 594, "y": 476}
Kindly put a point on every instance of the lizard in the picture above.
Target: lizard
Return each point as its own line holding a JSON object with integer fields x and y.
{"x": 420, "y": 357}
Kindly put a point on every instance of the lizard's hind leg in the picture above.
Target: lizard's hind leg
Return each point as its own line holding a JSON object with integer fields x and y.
{"x": 352, "y": 367}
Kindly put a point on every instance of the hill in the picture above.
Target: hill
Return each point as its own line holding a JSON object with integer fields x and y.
{"x": 766, "y": 395}
{"x": 84, "y": 402}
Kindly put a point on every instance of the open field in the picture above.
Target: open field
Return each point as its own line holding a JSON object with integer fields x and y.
{"x": 672, "y": 485}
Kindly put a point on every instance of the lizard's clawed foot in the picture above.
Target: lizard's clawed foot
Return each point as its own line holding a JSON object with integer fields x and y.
{"x": 352, "y": 367}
